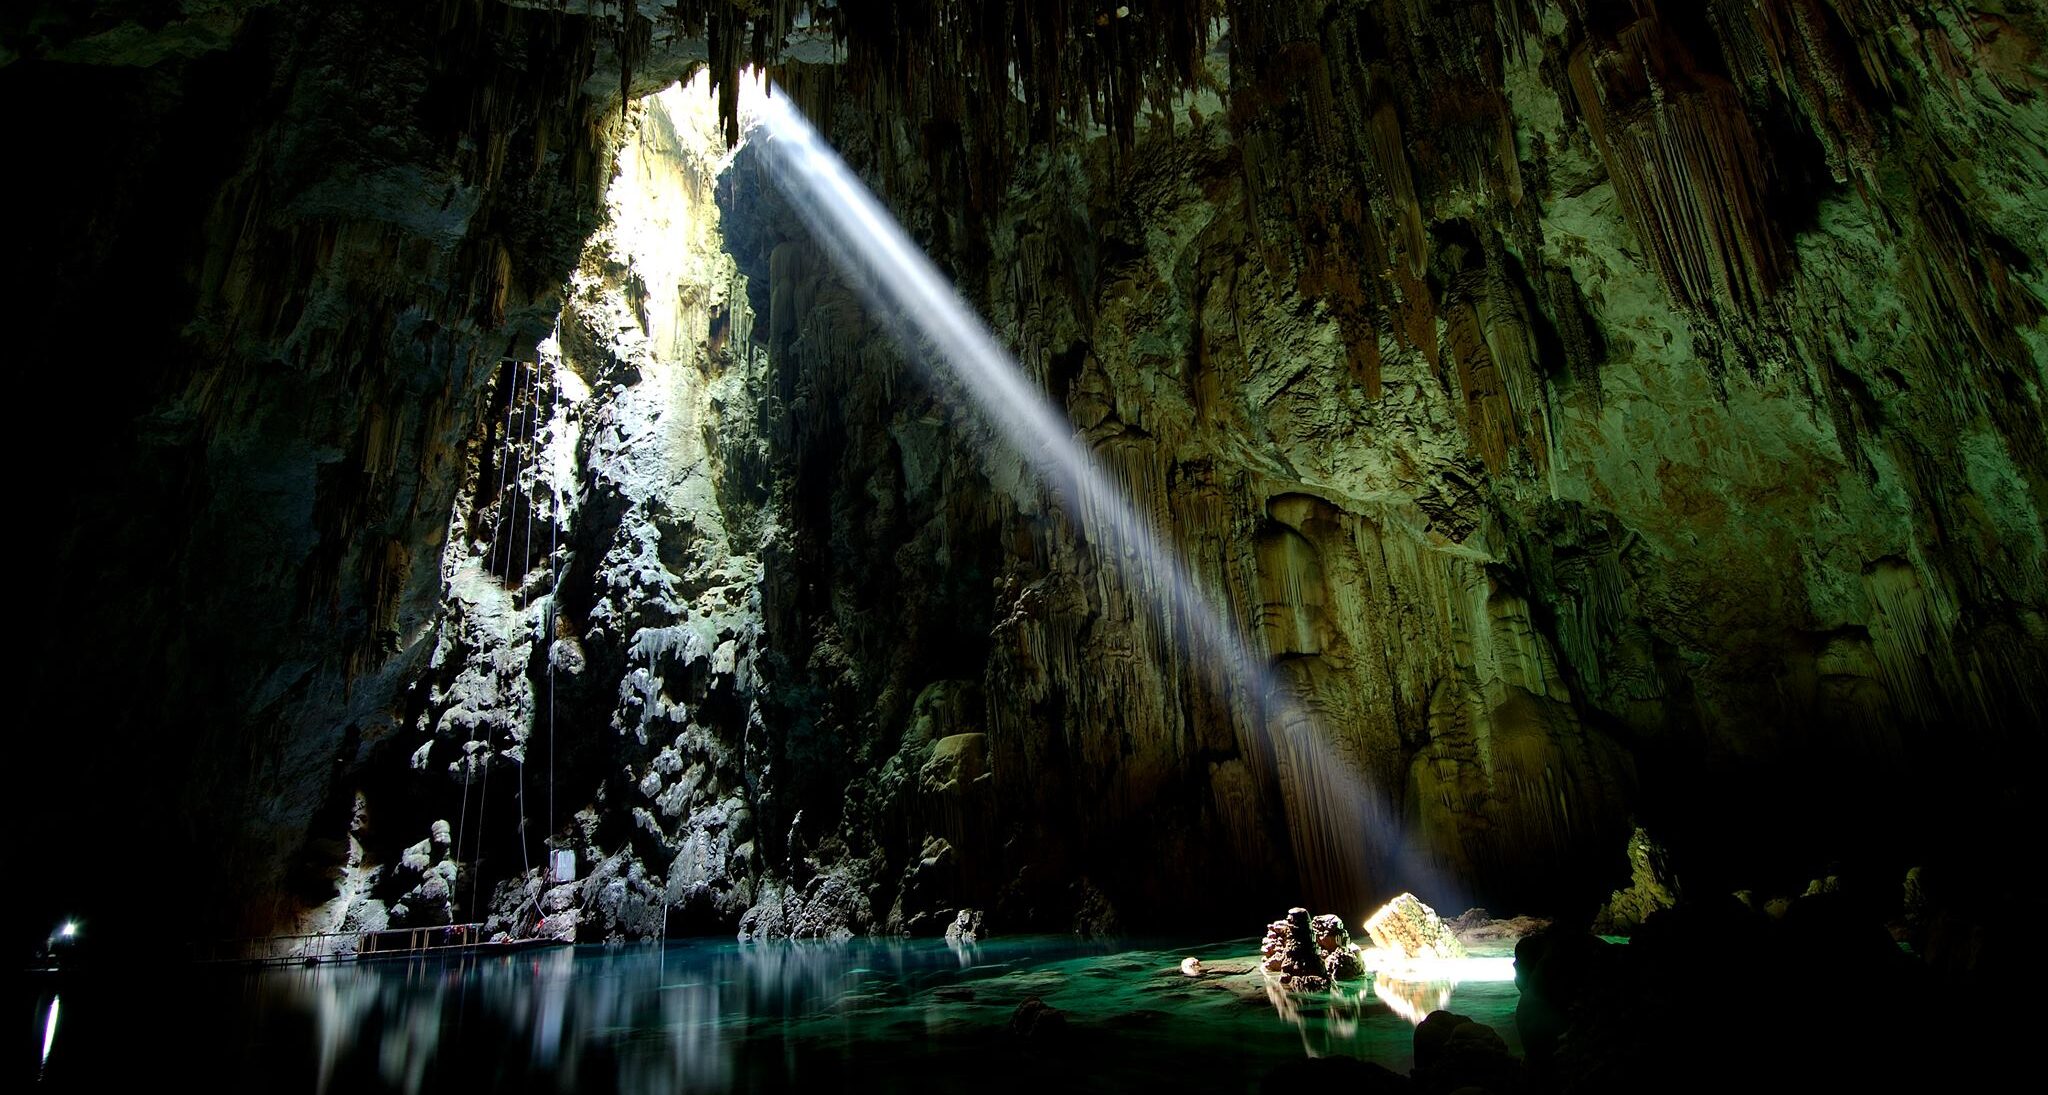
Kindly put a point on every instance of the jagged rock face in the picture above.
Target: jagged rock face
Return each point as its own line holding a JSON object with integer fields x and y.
{"x": 1586, "y": 409}
{"x": 1559, "y": 417}
{"x": 596, "y": 651}
{"x": 287, "y": 245}
{"x": 1651, "y": 888}
{"x": 1562, "y": 418}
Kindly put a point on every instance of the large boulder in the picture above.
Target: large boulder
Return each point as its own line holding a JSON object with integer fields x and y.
{"x": 1456, "y": 1053}
{"x": 1561, "y": 977}
{"x": 1406, "y": 928}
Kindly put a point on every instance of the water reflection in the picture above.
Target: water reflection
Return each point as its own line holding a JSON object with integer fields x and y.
{"x": 50, "y": 1030}
{"x": 1328, "y": 1021}
{"x": 1336, "y": 1021}
{"x": 650, "y": 1017}
{"x": 872, "y": 1015}
{"x": 1413, "y": 1000}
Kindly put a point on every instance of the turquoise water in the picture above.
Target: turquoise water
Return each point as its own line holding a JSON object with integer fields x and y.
{"x": 867, "y": 1015}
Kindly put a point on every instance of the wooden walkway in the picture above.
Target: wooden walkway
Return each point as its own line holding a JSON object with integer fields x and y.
{"x": 323, "y": 947}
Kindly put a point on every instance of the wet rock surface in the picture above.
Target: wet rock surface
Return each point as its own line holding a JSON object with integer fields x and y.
{"x": 1308, "y": 954}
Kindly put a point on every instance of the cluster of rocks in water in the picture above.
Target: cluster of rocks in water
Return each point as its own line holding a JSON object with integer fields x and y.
{"x": 1307, "y": 953}
{"x": 1856, "y": 982}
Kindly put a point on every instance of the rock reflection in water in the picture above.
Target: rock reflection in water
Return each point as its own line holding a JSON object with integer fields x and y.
{"x": 1329, "y": 1021}
{"x": 618, "y": 1018}
{"x": 1413, "y": 1000}
{"x": 881, "y": 1015}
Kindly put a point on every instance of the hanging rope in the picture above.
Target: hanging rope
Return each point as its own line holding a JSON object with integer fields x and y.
{"x": 525, "y": 555}
{"x": 468, "y": 753}
{"x": 483, "y": 803}
{"x": 498, "y": 519}
{"x": 500, "y": 524}
{"x": 555, "y": 587}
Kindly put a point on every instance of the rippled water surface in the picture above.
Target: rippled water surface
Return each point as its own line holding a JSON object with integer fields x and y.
{"x": 712, "y": 1017}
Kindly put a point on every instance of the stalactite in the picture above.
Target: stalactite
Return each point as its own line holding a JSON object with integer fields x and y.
{"x": 1389, "y": 155}
{"x": 1489, "y": 337}
{"x": 1789, "y": 47}
{"x": 1908, "y": 632}
{"x": 1685, "y": 165}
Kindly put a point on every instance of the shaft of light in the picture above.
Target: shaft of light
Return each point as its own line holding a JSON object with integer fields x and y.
{"x": 841, "y": 212}
{"x": 906, "y": 289}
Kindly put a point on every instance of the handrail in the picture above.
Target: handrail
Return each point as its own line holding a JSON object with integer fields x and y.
{"x": 477, "y": 926}
{"x": 319, "y": 946}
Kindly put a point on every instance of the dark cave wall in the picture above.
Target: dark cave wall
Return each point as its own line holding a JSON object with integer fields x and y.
{"x": 289, "y": 253}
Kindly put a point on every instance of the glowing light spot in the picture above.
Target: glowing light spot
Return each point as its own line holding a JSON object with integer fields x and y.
{"x": 50, "y": 1030}
{"x": 1451, "y": 970}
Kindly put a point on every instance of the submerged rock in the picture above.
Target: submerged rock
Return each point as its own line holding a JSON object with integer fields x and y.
{"x": 1038, "y": 1022}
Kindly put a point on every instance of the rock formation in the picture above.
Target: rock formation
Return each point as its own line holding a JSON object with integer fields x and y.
{"x": 1306, "y": 954}
{"x": 1476, "y": 928}
{"x": 1455, "y": 1053}
{"x": 1652, "y": 886}
{"x": 1583, "y": 411}
{"x": 1405, "y": 928}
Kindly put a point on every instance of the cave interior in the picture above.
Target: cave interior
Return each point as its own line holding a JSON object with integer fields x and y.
{"x": 1578, "y": 459}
